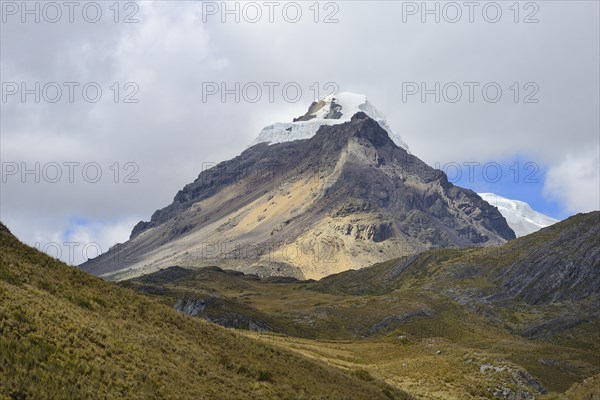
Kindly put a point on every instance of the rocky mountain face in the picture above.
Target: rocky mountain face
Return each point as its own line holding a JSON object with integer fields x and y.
{"x": 559, "y": 263}
{"x": 342, "y": 199}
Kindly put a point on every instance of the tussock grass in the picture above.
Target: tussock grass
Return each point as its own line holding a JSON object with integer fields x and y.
{"x": 67, "y": 335}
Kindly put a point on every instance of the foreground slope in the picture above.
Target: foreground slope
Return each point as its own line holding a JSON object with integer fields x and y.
{"x": 345, "y": 198}
{"x": 65, "y": 334}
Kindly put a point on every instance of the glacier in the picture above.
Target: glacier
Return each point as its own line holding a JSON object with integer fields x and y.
{"x": 518, "y": 214}
{"x": 330, "y": 110}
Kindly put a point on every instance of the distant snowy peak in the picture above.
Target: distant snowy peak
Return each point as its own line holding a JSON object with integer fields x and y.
{"x": 330, "y": 110}
{"x": 519, "y": 215}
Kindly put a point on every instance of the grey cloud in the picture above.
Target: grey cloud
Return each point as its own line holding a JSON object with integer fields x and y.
{"x": 171, "y": 132}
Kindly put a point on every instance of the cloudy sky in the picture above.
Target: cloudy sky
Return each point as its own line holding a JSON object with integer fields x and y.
{"x": 107, "y": 111}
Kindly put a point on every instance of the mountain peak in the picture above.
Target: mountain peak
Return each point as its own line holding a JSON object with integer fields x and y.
{"x": 519, "y": 215}
{"x": 342, "y": 199}
{"x": 329, "y": 110}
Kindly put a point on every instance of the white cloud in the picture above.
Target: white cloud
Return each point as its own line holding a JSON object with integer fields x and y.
{"x": 575, "y": 181}
{"x": 72, "y": 241}
{"x": 96, "y": 237}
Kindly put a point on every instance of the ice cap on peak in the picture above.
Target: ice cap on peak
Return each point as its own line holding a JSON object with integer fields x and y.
{"x": 330, "y": 110}
{"x": 518, "y": 214}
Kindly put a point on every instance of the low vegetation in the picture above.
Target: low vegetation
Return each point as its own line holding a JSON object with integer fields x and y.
{"x": 67, "y": 335}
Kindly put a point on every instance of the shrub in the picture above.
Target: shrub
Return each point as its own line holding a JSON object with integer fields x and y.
{"x": 265, "y": 376}
{"x": 364, "y": 375}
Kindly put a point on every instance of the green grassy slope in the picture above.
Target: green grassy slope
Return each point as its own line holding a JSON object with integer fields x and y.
{"x": 67, "y": 335}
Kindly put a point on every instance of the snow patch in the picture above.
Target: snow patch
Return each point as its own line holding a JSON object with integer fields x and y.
{"x": 519, "y": 215}
{"x": 331, "y": 110}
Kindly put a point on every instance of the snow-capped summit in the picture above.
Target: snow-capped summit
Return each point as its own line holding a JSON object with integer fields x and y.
{"x": 520, "y": 216}
{"x": 330, "y": 110}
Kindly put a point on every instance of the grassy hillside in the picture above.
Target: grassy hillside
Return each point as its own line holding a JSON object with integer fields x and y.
{"x": 395, "y": 336}
{"x": 67, "y": 335}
